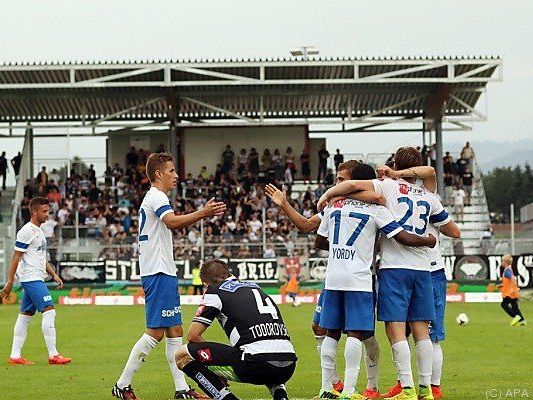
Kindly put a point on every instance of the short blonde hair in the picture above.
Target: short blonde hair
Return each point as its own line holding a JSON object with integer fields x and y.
{"x": 507, "y": 258}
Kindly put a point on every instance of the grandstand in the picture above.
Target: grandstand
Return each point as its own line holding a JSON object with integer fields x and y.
{"x": 166, "y": 103}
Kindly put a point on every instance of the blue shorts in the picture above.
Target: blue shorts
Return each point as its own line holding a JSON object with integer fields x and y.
{"x": 347, "y": 310}
{"x": 318, "y": 309}
{"x": 437, "y": 332}
{"x": 405, "y": 295}
{"x": 36, "y": 297}
{"x": 162, "y": 301}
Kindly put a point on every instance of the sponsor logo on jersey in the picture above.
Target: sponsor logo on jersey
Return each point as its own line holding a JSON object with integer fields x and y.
{"x": 171, "y": 313}
{"x": 233, "y": 285}
{"x": 404, "y": 189}
{"x": 339, "y": 203}
{"x": 47, "y": 298}
{"x": 205, "y": 355}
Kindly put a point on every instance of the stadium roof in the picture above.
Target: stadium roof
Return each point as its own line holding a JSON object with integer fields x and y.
{"x": 354, "y": 94}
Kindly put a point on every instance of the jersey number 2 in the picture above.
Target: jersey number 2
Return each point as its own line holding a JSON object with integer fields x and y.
{"x": 268, "y": 308}
{"x": 142, "y": 238}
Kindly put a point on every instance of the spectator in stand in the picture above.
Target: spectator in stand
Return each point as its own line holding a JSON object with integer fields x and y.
{"x": 277, "y": 162}
{"x": 288, "y": 176}
{"x": 338, "y": 159}
{"x": 54, "y": 197}
{"x": 447, "y": 162}
{"x": 459, "y": 203}
{"x": 462, "y": 167}
{"x": 468, "y": 181}
{"x": 426, "y": 159}
{"x": 242, "y": 162}
{"x": 253, "y": 161}
{"x": 228, "y": 157}
{"x": 467, "y": 153}
{"x": 204, "y": 173}
{"x": 117, "y": 172}
{"x": 323, "y": 156}
{"x": 448, "y": 189}
{"x": 329, "y": 178}
{"x": 42, "y": 180}
{"x": 15, "y": 163}
{"x": 306, "y": 166}
{"x": 132, "y": 158}
{"x": 290, "y": 161}
{"x": 433, "y": 155}
{"x": 3, "y": 169}
{"x": 92, "y": 174}
{"x": 266, "y": 160}
{"x": 269, "y": 252}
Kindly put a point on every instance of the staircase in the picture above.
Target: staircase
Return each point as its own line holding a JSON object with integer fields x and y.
{"x": 6, "y": 211}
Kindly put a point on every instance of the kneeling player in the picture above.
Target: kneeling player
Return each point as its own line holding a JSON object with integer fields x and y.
{"x": 260, "y": 352}
{"x": 350, "y": 226}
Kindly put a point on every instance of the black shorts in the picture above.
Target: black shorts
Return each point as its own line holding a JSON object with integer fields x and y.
{"x": 227, "y": 362}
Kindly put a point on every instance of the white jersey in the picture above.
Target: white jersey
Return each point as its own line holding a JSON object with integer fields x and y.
{"x": 414, "y": 208}
{"x": 32, "y": 242}
{"x": 351, "y": 227}
{"x": 435, "y": 256}
{"x": 156, "y": 253}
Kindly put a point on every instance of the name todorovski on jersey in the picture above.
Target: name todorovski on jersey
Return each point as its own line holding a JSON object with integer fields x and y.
{"x": 156, "y": 252}
{"x": 414, "y": 208}
{"x": 249, "y": 317}
{"x": 351, "y": 227}
{"x": 32, "y": 242}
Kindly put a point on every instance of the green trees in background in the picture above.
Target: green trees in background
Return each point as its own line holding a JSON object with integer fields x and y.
{"x": 504, "y": 186}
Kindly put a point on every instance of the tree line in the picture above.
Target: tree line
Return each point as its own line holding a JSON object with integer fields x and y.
{"x": 507, "y": 185}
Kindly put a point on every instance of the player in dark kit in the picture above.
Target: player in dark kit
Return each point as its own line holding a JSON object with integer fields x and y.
{"x": 260, "y": 352}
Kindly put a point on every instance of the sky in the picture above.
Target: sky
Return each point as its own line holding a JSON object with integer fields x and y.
{"x": 138, "y": 30}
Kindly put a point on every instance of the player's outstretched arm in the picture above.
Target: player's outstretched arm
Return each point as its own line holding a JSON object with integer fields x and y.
{"x": 279, "y": 198}
{"x": 11, "y": 274}
{"x": 195, "y": 332}
{"x": 211, "y": 209}
{"x": 342, "y": 189}
{"x": 426, "y": 173}
{"x": 411, "y": 240}
{"x": 451, "y": 230}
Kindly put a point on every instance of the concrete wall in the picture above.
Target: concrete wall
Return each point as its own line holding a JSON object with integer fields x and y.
{"x": 204, "y": 146}
{"x": 119, "y": 144}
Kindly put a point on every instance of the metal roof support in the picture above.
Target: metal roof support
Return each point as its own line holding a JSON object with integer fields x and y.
{"x": 125, "y": 111}
{"x": 475, "y": 112}
{"x": 219, "y": 109}
{"x": 215, "y": 74}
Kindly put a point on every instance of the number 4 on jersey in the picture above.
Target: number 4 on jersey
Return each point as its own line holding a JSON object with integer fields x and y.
{"x": 268, "y": 308}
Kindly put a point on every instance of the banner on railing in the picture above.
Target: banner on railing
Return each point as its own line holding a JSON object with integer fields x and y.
{"x": 267, "y": 270}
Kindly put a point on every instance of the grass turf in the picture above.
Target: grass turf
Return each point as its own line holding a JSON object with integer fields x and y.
{"x": 484, "y": 359}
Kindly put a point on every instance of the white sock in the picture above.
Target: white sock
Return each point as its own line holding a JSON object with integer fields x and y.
{"x": 424, "y": 359}
{"x": 438, "y": 360}
{"x": 352, "y": 357}
{"x": 49, "y": 331}
{"x": 138, "y": 354}
{"x": 401, "y": 354}
{"x": 372, "y": 362}
{"x": 327, "y": 362}
{"x": 319, "y": 340}
{"x": 172, "y": 346}
{"x": 19, "y": 334}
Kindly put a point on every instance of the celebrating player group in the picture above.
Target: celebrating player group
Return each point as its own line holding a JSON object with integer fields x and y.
{"x": 393, "y": 221}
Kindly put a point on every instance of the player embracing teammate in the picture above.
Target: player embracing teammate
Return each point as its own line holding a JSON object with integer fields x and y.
{"x": 406, "y": 295}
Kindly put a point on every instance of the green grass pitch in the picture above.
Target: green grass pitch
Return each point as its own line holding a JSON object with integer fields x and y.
{"x": 485, "y": 358}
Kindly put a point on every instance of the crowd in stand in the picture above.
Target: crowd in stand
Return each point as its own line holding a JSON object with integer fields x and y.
{"x": 109, "y": 213}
